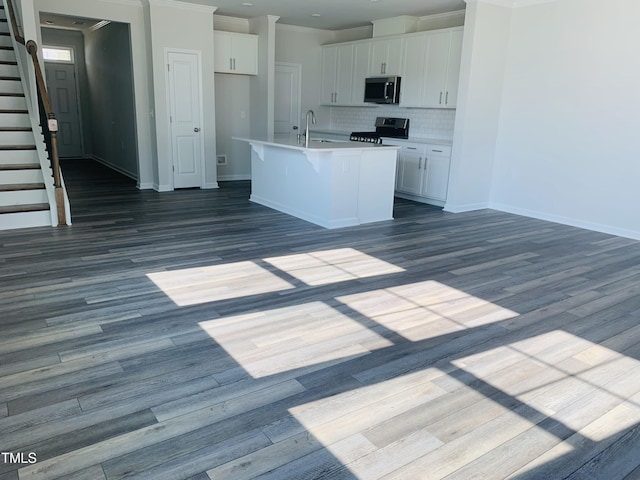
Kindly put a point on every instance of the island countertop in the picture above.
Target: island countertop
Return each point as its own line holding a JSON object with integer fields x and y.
{"x": 316, "y": 145}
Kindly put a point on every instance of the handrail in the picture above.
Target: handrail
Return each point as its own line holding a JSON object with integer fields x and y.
{"x": 51, "y": 125}
{"x": 14, "y": 24}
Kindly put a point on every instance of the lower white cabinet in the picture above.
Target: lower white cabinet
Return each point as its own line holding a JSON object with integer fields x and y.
{"x": 423, "y": 171}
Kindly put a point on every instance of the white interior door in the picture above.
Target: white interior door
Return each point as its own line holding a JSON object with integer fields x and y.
{"x": 287, "y": 100}
{"x": 63, "y": 93}
{"x": 185, "y": 92}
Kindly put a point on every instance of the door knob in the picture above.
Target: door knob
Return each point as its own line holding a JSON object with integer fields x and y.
{"x": 196, "y": 129}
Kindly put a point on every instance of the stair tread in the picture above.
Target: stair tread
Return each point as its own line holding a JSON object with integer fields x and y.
{"x": 20, "y": 166}
{"x": 17, "y": 147}
{"x": 33, "y": 207}
{"x": 15, "y": 187}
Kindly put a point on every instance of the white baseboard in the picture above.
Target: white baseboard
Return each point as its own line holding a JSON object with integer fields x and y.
{"x": 572, "y": 222}
{"x": 113, "y": 166}
{"x": 145, "y": 186}
{"x": 210, "y": 185}
{"x": 162, "y": 188}
{"x": 469, "y": 207}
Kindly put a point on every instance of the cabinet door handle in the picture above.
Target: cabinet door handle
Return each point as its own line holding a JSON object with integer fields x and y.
{"x": 440, "y": 98}
{"x": 437, "y": 151}
{"x": 411, "y": 148}
{"x": 234, "y": 63}
{"x": 446, "y": 99}
{"x": 420, "y": 163}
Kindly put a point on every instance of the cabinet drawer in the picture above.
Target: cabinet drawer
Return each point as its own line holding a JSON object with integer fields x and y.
{"x": 439, "y": 150}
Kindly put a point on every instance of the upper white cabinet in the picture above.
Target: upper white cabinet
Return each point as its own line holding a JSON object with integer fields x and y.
{"x": 344, "y": 68}
{"x": 361, "y": 61}
{"x": 428, "y": 62}
{"x": 337, "y": 75}
{"x": 414, "y": 58}
{"x": 442, "y": 69}
{"x": 386, "y": 55}
{"x": 430, "y": 69}
{"x": 235, "y": 53}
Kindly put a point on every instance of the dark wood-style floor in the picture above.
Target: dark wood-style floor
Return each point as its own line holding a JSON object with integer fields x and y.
{"x": 193, "y": 334}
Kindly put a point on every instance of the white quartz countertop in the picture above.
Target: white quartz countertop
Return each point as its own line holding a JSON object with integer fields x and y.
{"x": 316, "y": 145}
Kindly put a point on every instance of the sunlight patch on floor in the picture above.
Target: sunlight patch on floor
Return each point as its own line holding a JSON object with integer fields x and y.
{"x": 290, "y": 338}
{"x": 569, "y": 378}
{"x": 332, "y": 266}
{"x": 422, "y": 310}
{"x": 193, "y": 286}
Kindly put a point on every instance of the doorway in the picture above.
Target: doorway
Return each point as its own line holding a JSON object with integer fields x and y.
{"x": 287, "y": 100}
{"x": 185, "y": 117}
{"x": 63, "y": 92}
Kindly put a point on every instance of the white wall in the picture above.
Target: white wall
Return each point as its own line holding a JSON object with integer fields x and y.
{"x": 233, "y": 113}
{"x": 262, "y": 85}
{"x": 484, "y": 48}
{"x": 110, "y": 80}
{"x": 568, "y": 147}
{"x": 302, "y": 45}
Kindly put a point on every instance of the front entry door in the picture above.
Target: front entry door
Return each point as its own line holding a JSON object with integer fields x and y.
{"x": 287, "y": 100}
{"x": 185, "y": 118}
{"x": 61, "y": 85}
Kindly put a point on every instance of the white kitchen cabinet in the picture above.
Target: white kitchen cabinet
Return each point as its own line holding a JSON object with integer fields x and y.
{"x": 337, "y": 74}
{"x": 423, "y": 171}
{"x": 386, "y": 56}
{"x": 235, "y": 53}
{"x": 361, "y": 59}
{"x": 431, "y": 68}
{"x": 414, "y": 58}
{"x": 442, "y": 69}
{"x": 436, "y": 174}
{"x": 410, "y": 164}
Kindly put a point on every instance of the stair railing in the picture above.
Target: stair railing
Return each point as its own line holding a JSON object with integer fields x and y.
{"x": 48, "y": 120}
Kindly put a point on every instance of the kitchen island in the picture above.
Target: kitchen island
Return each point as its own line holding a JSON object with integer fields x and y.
{"x": 332, "y": 184}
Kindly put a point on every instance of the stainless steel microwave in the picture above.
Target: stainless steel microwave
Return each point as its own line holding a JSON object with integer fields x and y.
{"x": 382, "y": 90}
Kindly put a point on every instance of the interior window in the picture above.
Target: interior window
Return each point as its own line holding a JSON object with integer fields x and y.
{"x": 58, "y": 54}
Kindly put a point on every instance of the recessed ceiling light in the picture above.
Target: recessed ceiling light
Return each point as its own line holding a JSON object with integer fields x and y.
{"x": 247, "y": 4}
{"x": 49, "y": 22}
{"x": 316, "y": 15}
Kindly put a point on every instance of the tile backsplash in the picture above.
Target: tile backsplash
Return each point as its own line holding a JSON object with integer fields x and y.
{"x": 425, "y": 122}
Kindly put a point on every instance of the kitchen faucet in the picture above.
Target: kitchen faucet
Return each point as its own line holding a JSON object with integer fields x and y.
{"x": 306, "y": 130}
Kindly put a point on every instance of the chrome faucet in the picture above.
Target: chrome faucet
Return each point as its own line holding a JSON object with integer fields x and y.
{"x": 306, "y": 130}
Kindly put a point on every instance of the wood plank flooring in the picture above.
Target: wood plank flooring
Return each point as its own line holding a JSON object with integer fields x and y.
{"x": 195, "y": 335}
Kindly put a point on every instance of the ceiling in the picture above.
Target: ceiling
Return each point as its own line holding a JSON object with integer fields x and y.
{"x": 74, "y": 23}
{"x": 334, "y": 14}
{"x": 323, "y": 14}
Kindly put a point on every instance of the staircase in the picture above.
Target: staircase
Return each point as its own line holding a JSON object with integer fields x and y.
{"x": 23, "y": 196}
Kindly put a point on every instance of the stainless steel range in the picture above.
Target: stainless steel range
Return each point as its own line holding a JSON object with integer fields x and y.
{"x": 385, "y": 127}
